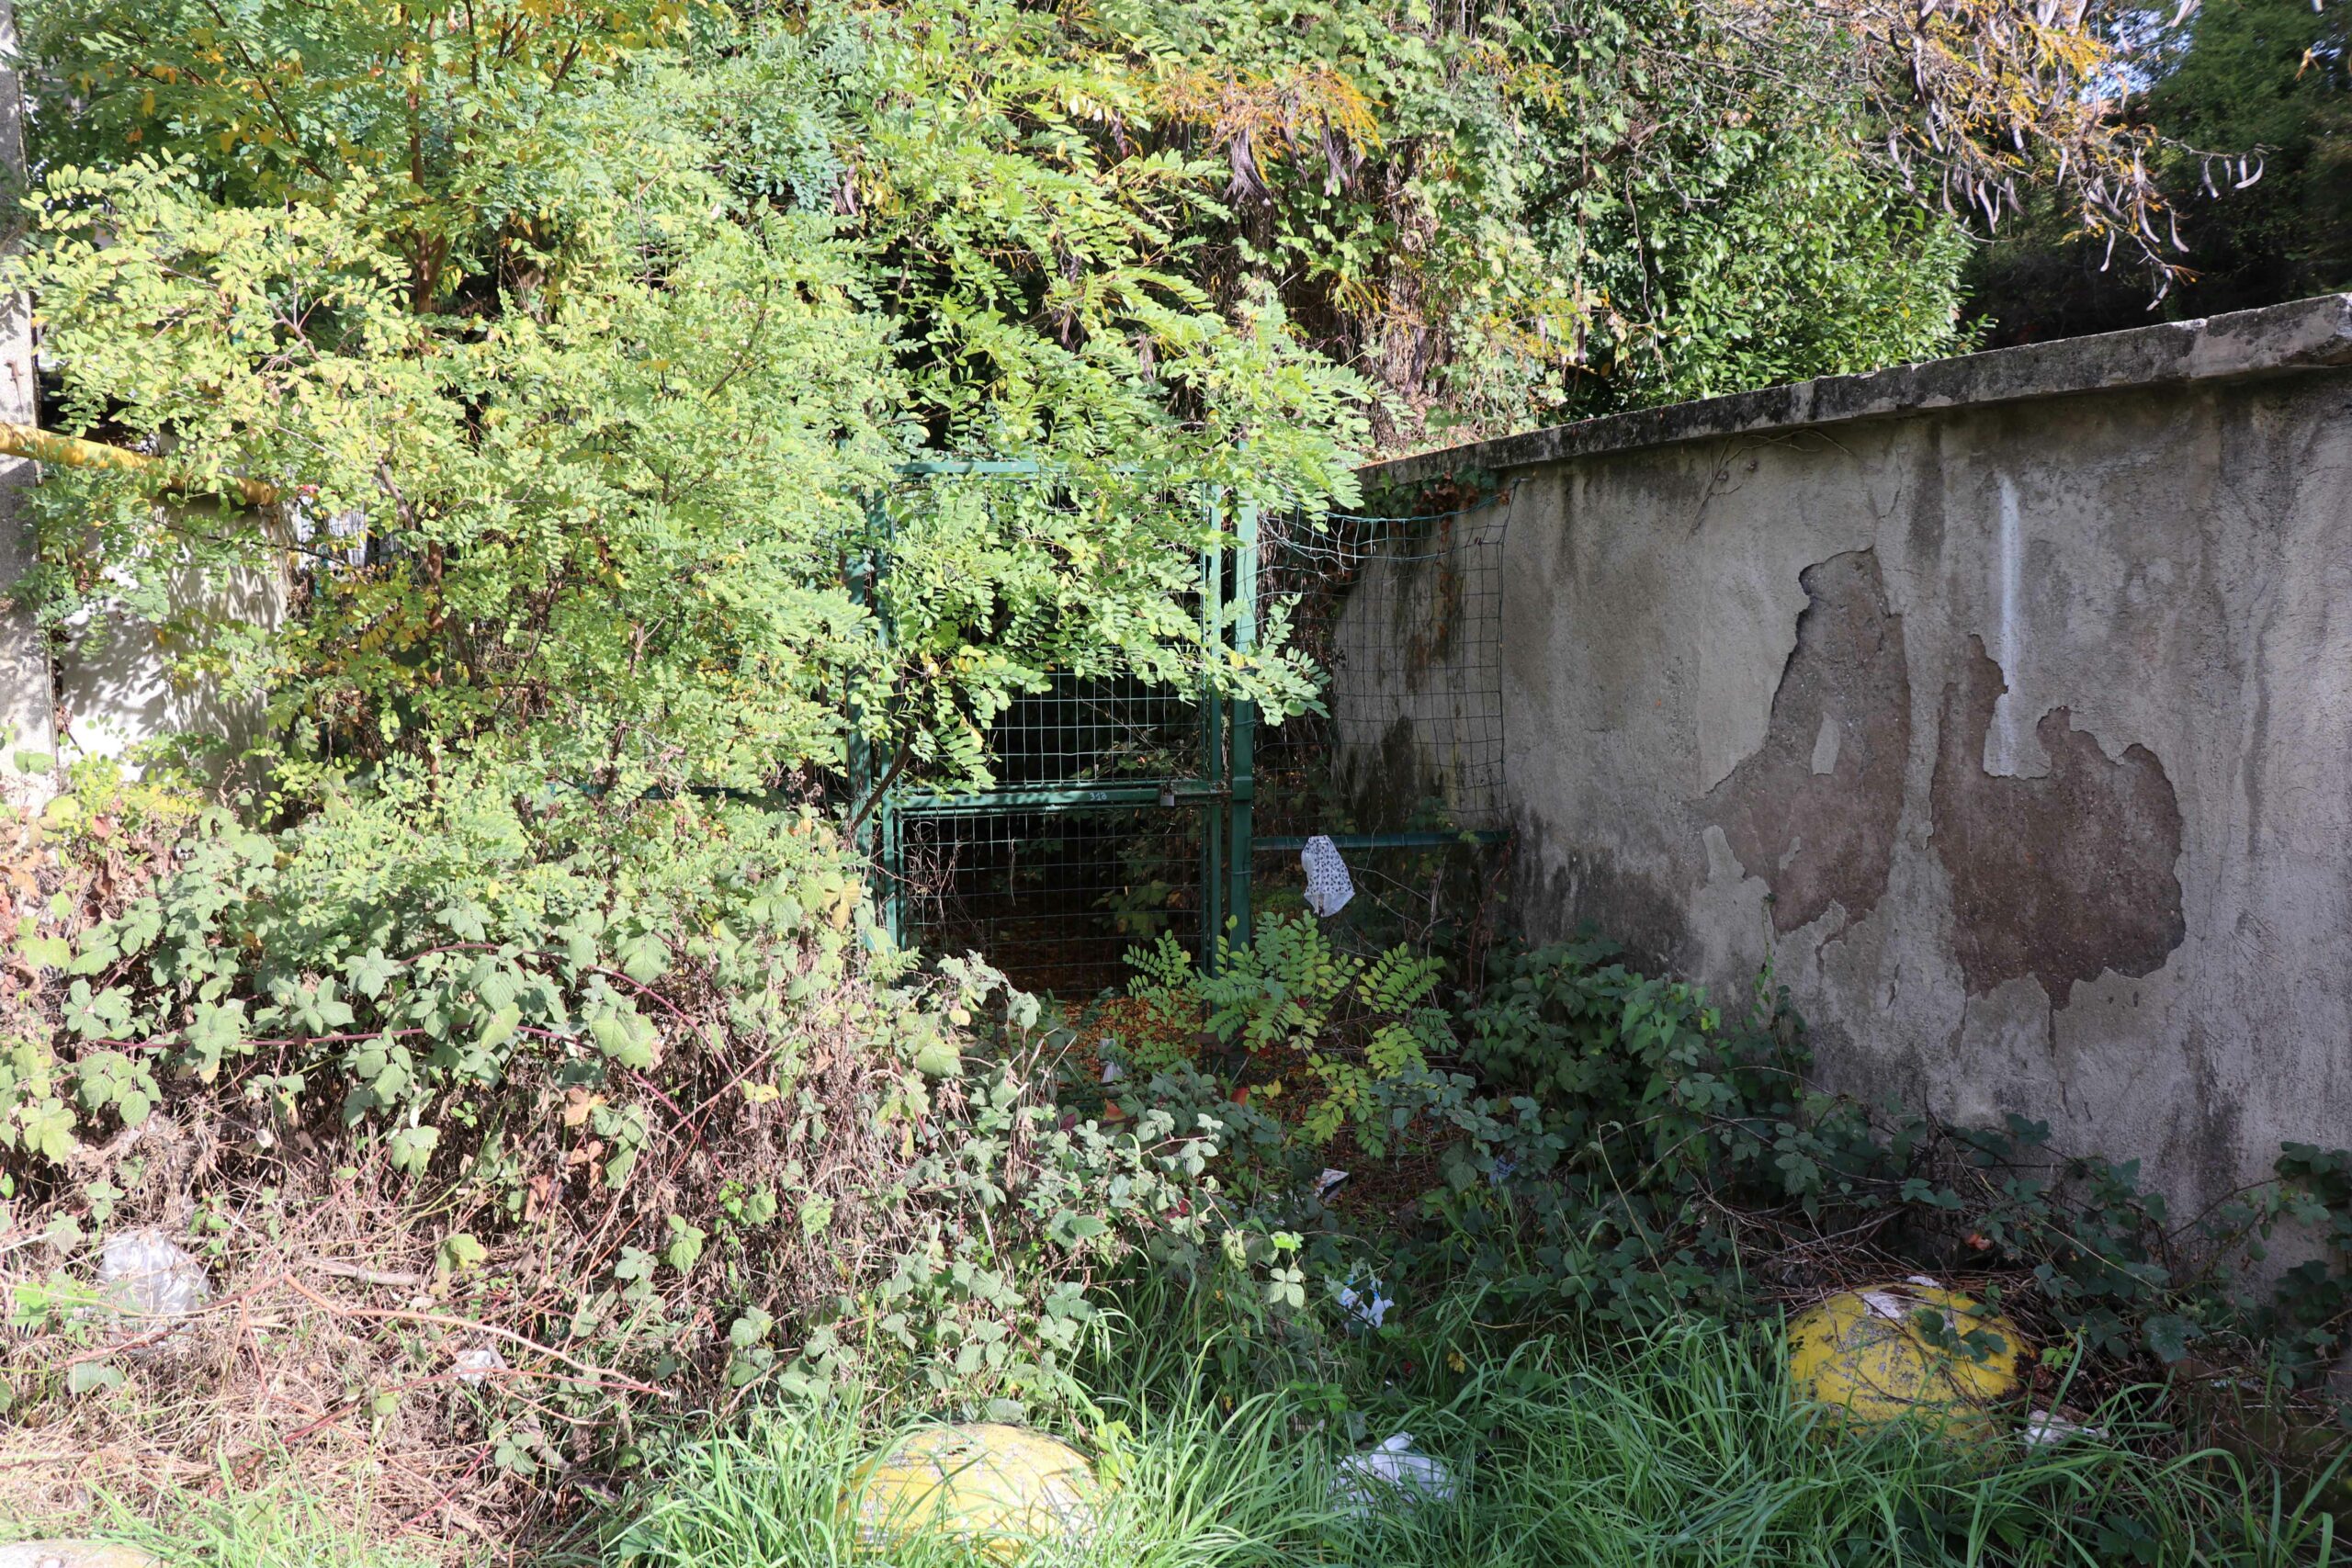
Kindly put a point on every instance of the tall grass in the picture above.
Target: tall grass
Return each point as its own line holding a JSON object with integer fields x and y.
{"x": 1683, "y": 1448}
{"x": 277, "y": 1525}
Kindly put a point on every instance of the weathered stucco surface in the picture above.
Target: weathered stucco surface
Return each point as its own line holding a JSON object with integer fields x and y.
{"x": 2006, "y": 704}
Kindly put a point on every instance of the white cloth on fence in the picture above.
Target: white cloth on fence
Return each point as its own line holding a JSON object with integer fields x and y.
{"x": 1329, "y": 886}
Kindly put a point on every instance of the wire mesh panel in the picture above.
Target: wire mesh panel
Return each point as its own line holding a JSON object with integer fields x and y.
{"x": 1107, "y": 689}
{"x": 1092, "y": 811}
{"x": 1097, "y": 729}
{"x": 1053, "y": 898}
{"x": 1115, "y": 808}
{"x": 1404, "y": 615}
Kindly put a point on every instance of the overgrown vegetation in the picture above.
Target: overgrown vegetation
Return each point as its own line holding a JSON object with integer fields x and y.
{"x": 664, "y": 1116}
{"x": 1609, "y": 1149}
{"x": 497, "y": 1008}
{"x": 1680, "y": 1446}
{"x": 673, "y": 1130}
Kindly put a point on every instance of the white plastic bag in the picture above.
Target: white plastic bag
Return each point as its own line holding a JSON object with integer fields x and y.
{"x": 144, "y": 1272}
{"x": 1329, "y": 886}
{"x": 1394, "y": 1472}
{"x": 2044, "y": 1430}
{"x": 1367, "y": 1305}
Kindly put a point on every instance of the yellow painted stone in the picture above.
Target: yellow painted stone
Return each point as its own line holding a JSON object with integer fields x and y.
{"x": 1862, "y": 1353}
{"x": 997, "y": 1486}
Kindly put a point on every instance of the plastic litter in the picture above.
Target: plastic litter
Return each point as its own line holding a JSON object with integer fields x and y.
{"x": 1367, "y": 1306}
{"x": 145, "y": 1274}
{"x": 1890, "y": 1306}
{"x": 1328, "y": 1182}
{"x": 1394, "y": 1472}
{"x": 1001, "y": 1488}
{"x": 1329, "y": 886}
{"x": 2044, "y": 1430}
{"x": 473, "y": 1366}
{"x": 1112, "y": 1072}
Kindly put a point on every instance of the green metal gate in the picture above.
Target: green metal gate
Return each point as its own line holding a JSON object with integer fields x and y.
{"x": 1121, "y": 811}
{"x": 1124, "y": 811}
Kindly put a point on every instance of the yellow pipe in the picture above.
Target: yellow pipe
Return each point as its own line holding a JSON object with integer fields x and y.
{"x": 48, "y": 446}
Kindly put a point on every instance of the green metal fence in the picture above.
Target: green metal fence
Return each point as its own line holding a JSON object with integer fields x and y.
{"x": 1124, "y": 811}
{"x": 1120, "y": 810}
{"x": 1403, "y": 768}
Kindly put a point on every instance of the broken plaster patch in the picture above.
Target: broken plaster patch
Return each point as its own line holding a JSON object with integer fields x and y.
{"x": 2060, "y": 877}
{"x": 1812, "y": 811}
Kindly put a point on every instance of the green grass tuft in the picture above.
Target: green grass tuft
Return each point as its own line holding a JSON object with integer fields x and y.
{"x": 1682, "y": 1450}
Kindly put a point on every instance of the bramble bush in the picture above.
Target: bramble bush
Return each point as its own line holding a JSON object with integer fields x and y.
{"x": 1615, "y": 1151}
{"x": 639, "y": 1083}
{"x": 1665, "y": 1157}
{"x": 678, "y": 1015}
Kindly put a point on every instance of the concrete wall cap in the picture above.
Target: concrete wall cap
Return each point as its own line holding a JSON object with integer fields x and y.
{"x": 2303, "y": 334}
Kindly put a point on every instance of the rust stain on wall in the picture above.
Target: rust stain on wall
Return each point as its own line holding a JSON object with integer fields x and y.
{"x": 2060, "y": 877}
{"x": 1812, "y": 811}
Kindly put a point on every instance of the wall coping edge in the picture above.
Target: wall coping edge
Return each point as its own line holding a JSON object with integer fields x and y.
{"x": 2300, "y": 335}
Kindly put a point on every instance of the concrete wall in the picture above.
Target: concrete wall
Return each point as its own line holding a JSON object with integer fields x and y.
{"x": 2004, "y": 704}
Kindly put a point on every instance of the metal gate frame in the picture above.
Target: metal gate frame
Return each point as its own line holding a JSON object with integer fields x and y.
{"x": 1221, "y": 789}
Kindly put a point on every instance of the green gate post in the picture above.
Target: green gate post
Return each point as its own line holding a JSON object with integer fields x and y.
{"x": 1241, "y": 771}
{"x": 877, "y": 833}
{"x": 861, "y": 571}
{"x": 1215, "y": 850}
{"x": 891, "y": 829}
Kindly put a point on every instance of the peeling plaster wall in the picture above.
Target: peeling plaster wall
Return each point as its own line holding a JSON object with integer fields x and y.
{"x": 2014, "y": 727}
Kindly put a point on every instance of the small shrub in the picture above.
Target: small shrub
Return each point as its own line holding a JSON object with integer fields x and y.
{"x": 1288, "y": 999}
{"x": 638, "y": 1089}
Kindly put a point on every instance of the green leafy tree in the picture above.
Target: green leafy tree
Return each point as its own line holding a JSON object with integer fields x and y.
{"x": 581, "y": 420}
{"x": 2268, "y": 77}
{"x": 583, "y": 344}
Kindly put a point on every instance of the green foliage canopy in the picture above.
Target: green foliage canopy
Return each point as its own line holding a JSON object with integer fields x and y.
{"x": 598, "y": 331}
{"x": 586, "y": 419}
